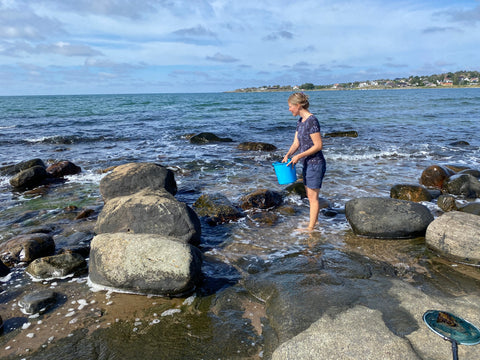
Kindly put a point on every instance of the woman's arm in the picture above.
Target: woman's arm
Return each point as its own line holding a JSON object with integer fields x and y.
{"x": 292, "y": 149}
{"x": 316, "y": 147}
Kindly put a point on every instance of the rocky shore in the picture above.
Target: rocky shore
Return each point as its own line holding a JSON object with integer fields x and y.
{"x": 363, "y": 301}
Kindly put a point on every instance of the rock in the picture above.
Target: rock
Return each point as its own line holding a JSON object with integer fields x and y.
{"x": 357, "y": 333}
{"x": 297, "y": 188}
{"x": 4, "y": 270}
{"x": 84, "y": 214}
{"x": 408, "y": 192}
{"x": 471, "y": 208}
{"x": 57, "y": 266}
{"x": 435, "y": 175}
{"x": 144, "y": 263}
{"x": 150, "y": 212}
{"x": 29, "y": 178}
{"x": 26, "y": 248}
{"x": 130, "y": 178}
{"x": 459, "y": 143}
{"x": 386, "y": 218}
{"x": 11, "y": 170}
{"x": 447, "y": 203}
{"x": 256, "y": 146}
{"x": 217, "y": 208}
{"x": 63, "y": 168}
{"x": 206, "y": 137}
{"x": 264, "y": 217}
{"x": 261, "y": 199}
{"x": 351, "y": 133}
{"x": 38, "y": 302}
{"x": 455, "y": 234}
{"x": 456, "y": 167}
{"x": 463, "y": 184}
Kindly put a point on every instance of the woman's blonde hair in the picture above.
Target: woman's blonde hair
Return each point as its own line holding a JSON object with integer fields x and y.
{"x": 299, "y": 98}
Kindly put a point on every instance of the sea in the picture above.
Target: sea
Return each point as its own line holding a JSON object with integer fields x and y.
{"x": 400, "y": 133}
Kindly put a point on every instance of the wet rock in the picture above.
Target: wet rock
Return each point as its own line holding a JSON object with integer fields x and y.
{"x": 261, "y": 199}
{"x": 38, "y": 302}
{"x": 26, "y": 248}
{"x": 84, "y": 214}
{"x": 472, "y": 208}
{"x": 297, "y": 188}
{"x": 386, "y": 218}
{"x": 130, "y": 178}
{"x": 460, "y": 143}
{"x": 463, "y": 184}
{"x": 351, "y": 133}
{"x": 150, "y": 212}
{"x": 264, "y": 217}
{"x": 4, "y": 270}
{"x": 144, "y": 263}
{"x": 57, "y": 266}
{"x": 206, "y": 138}
{"x": 63, "y": 168}
{"x": 435, "y": 176}
{"x": 29, "y": 178}
{"x": 11, "y": 170}
{"x": 410, "y": 192}
{"x": 455, "y": 234}
{"x": 456, "y": 167}
{"x": 473, "y": 172}
{"x": 217, "y": 208}
{"x": 447, "y": 203}
{"x": 257, "y": 146}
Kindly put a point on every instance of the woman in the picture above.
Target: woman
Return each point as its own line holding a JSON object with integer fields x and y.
{"x": 308, "y": 142}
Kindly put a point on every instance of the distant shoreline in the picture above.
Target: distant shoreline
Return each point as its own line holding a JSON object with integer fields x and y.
{"x": 250, "y": 90}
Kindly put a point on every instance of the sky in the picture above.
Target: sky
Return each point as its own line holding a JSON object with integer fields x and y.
{"x": 55, "y": 47}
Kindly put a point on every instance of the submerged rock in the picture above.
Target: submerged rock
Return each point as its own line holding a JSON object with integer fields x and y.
{"x": 387, "y": 218}
{"x": 144, "y": 263}
{"x": 217, "y": 208}
{"x": 257, "y": 146}
{"x": 261, "y": 199}
{"x": 351, "y": 133}
{"x": 206, "y": 137}
{"x": 456, "y": 234}
{"x": 38, "y": 302}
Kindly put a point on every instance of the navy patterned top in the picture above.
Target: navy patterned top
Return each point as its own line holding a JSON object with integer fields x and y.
{"x": 304, "y": 129}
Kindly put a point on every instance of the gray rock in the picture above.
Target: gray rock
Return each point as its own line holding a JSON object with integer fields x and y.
{"x": 57, "y": 266}
{"x": 130, "y": 178}
{"x": 11, "y": 170}
{"x": 26, "y": 248}
{"x": 37, "y": 302}
{"x": 471, "y": 208}
{"x": 463, "y": 184}
{"x": 29, "y": 178}
{"x": 144, "y": 263}
{"x": 150, "y": 212}
{"x": 456, "y": 234}
{"x": 386, "y": 218}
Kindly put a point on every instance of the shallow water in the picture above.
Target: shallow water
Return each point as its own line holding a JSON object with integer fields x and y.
{"x": 400, "y": 134}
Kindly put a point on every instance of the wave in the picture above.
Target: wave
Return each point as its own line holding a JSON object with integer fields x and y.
{"x": 71, "y": 139}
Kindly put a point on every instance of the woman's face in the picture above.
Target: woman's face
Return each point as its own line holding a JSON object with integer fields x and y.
{"x": 294, "y": 109}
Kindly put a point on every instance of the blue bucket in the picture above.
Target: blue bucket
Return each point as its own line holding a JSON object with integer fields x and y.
{"x": 285, "y": 174}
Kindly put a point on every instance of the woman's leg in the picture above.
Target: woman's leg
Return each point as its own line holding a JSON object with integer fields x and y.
{"x": 312, "y": 195}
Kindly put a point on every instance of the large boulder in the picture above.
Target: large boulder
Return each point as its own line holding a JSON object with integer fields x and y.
{"x": 435, "y": 176}
{"x": 29, "y": 178}
{"x": 463, "y": 184}
{"x": 130, "y": 178}
{"x": 150, "y": 212}
{"x": 456, "y": 234}
{"x": 26, "y": 248}
{"x": 217, "y": 209}
{"x": 387, "y": 218}
{"x": 410, "y": 192}
{"x": 11, "y": 170}
{"x": 144, "y": 263}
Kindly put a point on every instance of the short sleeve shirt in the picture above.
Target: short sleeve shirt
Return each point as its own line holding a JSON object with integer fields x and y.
{"x": 304, "y": 130}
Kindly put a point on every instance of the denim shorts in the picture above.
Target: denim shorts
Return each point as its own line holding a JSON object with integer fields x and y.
{"x": 313, "y": 174}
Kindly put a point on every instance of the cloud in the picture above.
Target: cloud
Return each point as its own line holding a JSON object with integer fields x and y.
{"x": 465, "y": 15}
{"x": 279, "y": 35}
{"x": 440, "y": 29}
{"x": 20, "y": 48}
{"x": 218, "y": 57}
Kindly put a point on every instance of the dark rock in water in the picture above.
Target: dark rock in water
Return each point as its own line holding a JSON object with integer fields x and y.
{"x": 456, "y": 234}
{"x": 463, "y": 184}
{"x": 217, "y": 208}
{"x": 435, "y": 176}
{"x": 409, "y": 192}
{"x": 26, "y": 248}
{"x": 150, "y": 212}
{"x": 4, "y": 270}
{"x": 264, "y": 217}
{"x": 84, "y": 214}
{"x": 57, "y": 266}
{"x": 473, "y": 172}
{"x": 261, "y": 199}
{"x": 351, "y": 133}
{"x": 472, "y": 208}
{"x": 63, "y": 168}
{"x": 297, "y": 188}
{"x": 38, "y": 302}
{"x": 205, "y": 138}
{"x": 130, "y": 178}
{"x": 447, "y": 203}
{"x": 459, "y": 143}
{"x": 386, "y": 218}
{"x": 257, "y": 146}
{"x": 11, "y": 170}
{"x": 144, "y": 263}
{"x": 29, "y": 178}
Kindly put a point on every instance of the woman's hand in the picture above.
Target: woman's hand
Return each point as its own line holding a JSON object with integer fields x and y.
{"x": 285, "y": 158}
{"x": 294, "y": 160}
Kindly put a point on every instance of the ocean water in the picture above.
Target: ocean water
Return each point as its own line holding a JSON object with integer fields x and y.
{"x": 400, "y": 133}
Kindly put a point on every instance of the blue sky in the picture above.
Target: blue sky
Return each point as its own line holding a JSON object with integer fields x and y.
{"x": 159, "y": 46}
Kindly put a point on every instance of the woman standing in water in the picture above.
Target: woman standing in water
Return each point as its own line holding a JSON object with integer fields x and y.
{"x": 308, "y": 142}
